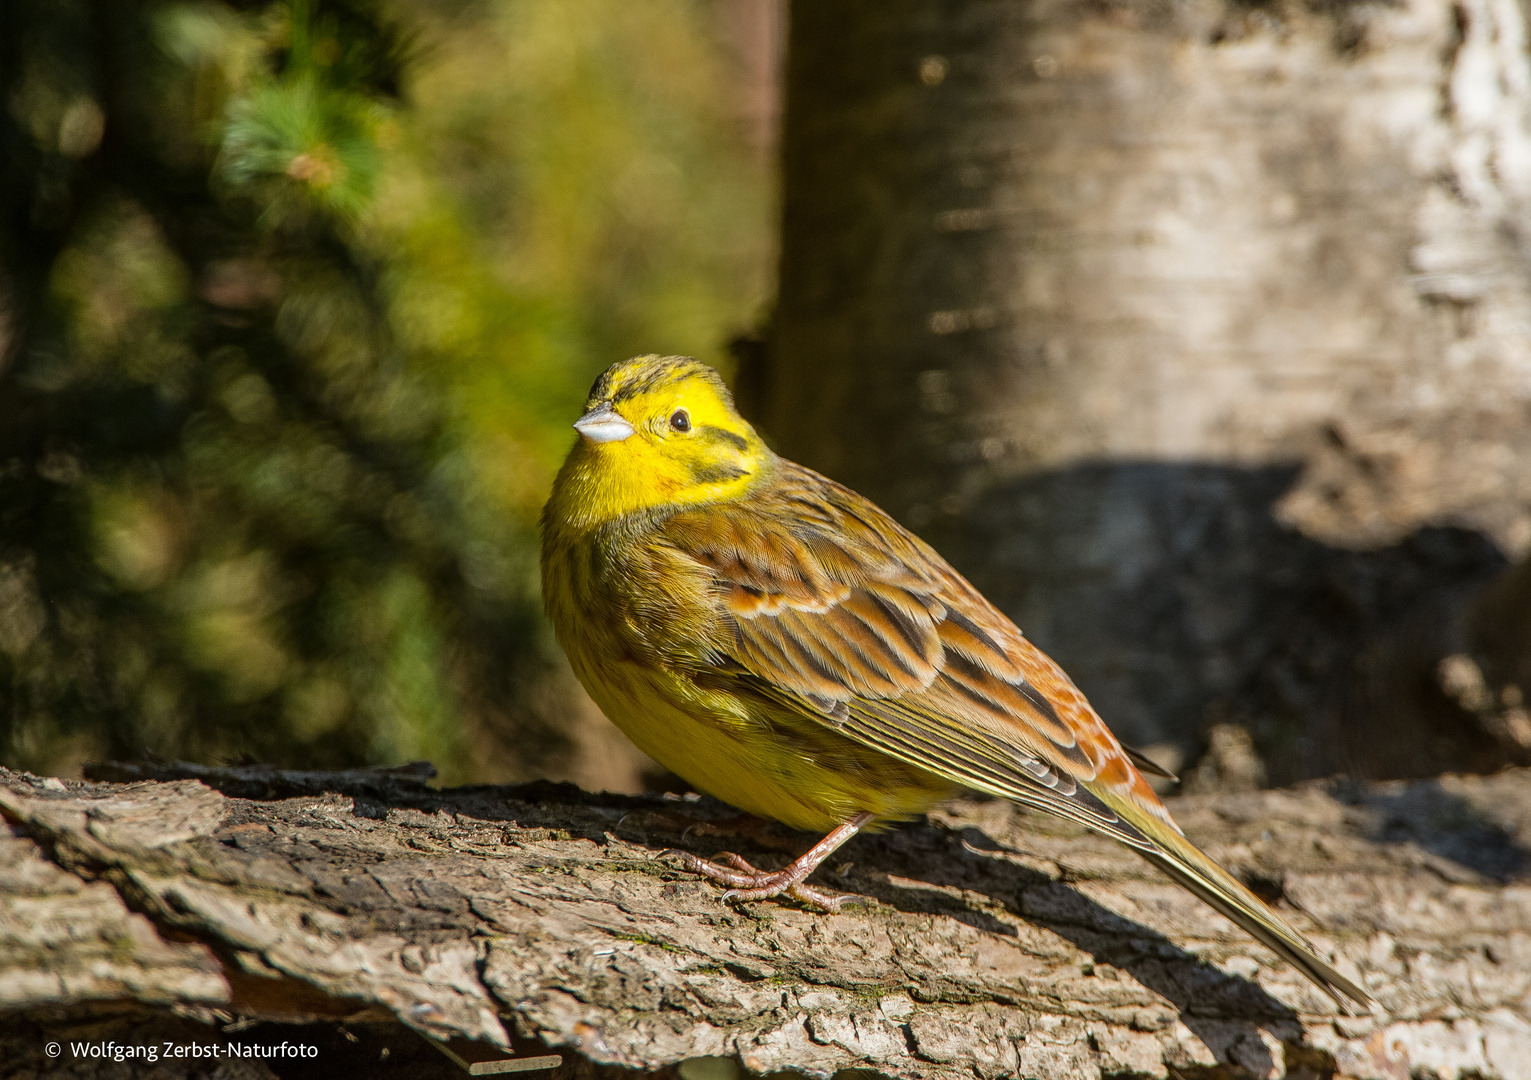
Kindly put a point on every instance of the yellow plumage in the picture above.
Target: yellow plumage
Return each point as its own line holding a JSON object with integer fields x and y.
{"x": 784, "y": 645}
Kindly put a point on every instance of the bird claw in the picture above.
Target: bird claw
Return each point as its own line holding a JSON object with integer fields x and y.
{"x": 798, "y": 891}
{"x": 744, "y": 876}
{"x": 749, "y": 883}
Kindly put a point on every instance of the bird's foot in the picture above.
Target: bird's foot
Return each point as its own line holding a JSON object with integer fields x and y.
{"x": 752, "y": 884}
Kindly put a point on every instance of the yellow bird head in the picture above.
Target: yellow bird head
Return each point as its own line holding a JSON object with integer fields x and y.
{"x": 658, "y": 432}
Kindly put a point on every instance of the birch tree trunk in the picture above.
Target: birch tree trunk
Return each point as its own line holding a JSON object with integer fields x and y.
{"x": 1198, "y": 335}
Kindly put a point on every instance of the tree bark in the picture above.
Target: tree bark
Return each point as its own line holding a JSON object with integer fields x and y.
{"x": 1195, "y": 334}
{"x": 995, "y": 944}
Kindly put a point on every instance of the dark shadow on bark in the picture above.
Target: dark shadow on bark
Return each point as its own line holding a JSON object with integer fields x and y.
{"x": 926, "y": 852}
{"x": 1177, "y": 599}
{"x": 1446, "y": 825}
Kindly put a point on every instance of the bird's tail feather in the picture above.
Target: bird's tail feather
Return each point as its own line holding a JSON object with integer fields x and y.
{"x": 1193, "y": 869}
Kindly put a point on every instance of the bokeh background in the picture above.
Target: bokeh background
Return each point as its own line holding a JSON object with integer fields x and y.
{"x": 1198, "y": 336}
{"x": 300, "y": 300}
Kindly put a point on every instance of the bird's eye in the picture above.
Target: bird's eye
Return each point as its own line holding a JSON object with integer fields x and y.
{"x": 680, "y": 420}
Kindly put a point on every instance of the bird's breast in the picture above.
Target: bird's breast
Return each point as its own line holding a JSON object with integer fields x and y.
{"x": 637, "y": 626}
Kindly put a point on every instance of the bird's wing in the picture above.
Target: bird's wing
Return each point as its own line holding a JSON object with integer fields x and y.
{"x": 831, "y": 607}
{"x": 828, "y": 606}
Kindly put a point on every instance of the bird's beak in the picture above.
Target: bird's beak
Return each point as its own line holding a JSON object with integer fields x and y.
{"x": 603, "y": 424}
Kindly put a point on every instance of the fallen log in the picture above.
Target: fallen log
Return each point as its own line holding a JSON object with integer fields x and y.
{"x": 234, "y": 904}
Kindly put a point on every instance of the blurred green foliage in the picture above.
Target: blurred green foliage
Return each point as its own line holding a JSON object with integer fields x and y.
{"x": 297, "y": 301}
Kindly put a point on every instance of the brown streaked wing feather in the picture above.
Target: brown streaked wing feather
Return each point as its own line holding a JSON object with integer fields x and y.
{"x": 929, "y": 743}
{"x": 912, "y": 734}
{"x": 839, "y": 612}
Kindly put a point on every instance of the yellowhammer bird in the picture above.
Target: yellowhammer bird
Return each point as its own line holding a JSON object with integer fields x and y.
{"x": 786, "y": 646}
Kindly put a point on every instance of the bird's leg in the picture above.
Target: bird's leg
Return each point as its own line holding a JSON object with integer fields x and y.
{"x": 752, "y": 884}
